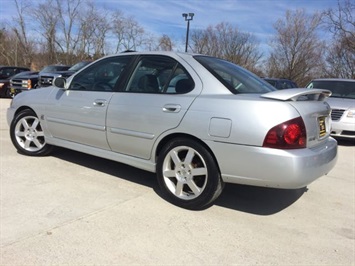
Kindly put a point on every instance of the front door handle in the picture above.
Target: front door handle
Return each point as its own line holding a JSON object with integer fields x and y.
{"x": 172, "y": 108}
{"x": 100, "y": 102}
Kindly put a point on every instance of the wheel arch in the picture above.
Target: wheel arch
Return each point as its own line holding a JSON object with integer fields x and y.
{"x": 22, "y": 108}
{"x": 170, "y": 137}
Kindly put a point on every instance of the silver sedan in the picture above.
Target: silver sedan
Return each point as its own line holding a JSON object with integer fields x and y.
{"x": 197, "y": 121}
{"x": 342, "y": 102}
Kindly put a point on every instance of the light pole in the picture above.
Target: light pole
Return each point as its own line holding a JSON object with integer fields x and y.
{"x": 188, "y": 17}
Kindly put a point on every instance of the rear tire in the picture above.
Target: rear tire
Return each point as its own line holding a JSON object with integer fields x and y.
{"x": 27, "y": 134}
{"x": 188, "y": 174}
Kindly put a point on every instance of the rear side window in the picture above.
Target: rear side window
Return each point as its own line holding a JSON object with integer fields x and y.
{"x": 235, "y": 78}
{"x": 285, "y": 84}
{"x": 272, "y": 82}
{"x": 159, "y": 74}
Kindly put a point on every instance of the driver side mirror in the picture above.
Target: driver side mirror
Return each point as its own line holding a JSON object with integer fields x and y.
{"x": 59, "y": 82}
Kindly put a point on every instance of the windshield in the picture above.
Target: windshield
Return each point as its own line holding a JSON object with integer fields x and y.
{"x": 55, "y": 68}
{"x": 339, "y": 88}
{"x": 235, "y": 78}
{"x": 24, "y": 73}
{"x": 78, "y": 66}
{"x": 7, "y": 72}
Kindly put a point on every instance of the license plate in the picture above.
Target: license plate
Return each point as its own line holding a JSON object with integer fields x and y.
{"x": 322, "y": 127}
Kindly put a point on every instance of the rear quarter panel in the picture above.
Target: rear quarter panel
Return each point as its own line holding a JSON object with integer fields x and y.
{"x": 250, "y": 116}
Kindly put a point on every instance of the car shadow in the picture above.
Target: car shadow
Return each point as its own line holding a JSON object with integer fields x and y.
{"x": 346, "y": 142}
{"x": 109, "y": 167}
{"x": 258, "y": 200}
{"x": 249, "y": 199}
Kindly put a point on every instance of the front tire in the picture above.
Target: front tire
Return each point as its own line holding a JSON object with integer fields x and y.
{"x": 7, "y": 93}
{"x": 188, "y": 174}
{"x": 27, "y": 134}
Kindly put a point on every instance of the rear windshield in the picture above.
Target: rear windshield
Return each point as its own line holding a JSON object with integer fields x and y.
{"x": 339, "y": 89}
{"x": 235, "y": 78}
{"x": 272, "y": 82}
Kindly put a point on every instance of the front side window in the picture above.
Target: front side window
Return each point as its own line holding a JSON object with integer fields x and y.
{"x": 160, "y": 74}
{"x": 233, "y": 77}
{"x": 101, "y": 76}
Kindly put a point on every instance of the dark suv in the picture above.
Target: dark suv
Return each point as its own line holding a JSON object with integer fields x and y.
{"x": 23, "y": 81}
{"x": 30, "y": 80}
{"x": 6, "y": 72}
{"x": 281, "y": 84}
{"x": 46, "y": 78}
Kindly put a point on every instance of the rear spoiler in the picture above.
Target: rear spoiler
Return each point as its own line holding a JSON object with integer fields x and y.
{"x": 300, "y": 94}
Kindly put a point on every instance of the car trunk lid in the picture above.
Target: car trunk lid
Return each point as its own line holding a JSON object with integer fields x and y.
{"x": 311, "y": 105}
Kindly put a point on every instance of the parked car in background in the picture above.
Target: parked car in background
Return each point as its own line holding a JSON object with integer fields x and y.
{"x": 281, "y": 84}
{"x": 30, "y": 80}
{"x": 6, "y": 72}
{"x": 23, "y": 81}
{"x": 46, "y": 75}
{"x": 195, "y": 120}
{"x": 46, "y": 78}
{"x": 342, "y": 103}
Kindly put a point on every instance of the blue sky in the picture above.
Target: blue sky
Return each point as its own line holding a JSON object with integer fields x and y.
{"x": 165, "y": 16}
{"x": 253, "y": 16}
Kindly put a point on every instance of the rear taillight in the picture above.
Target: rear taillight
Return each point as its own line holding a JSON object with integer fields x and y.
{"x": 287, "y": 135}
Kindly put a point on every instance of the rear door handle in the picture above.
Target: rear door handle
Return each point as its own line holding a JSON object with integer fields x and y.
{"x": 100, "y": 102}
{"x": 172, "y": 108}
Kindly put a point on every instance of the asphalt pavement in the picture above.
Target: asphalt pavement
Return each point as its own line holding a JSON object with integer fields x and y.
{"x": 75, "y": 209}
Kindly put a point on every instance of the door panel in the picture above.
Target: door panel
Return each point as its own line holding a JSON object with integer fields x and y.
{"x": 134, "y": 121}
{"x": 79, "y": 117}
{"x": 78, "y": 114}
{"x": 154, "y": 100}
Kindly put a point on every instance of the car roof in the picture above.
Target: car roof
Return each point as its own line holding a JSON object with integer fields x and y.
{"x": 14, "y": 67}
{"x": 276, "y": 79}
{"x": 169, "y": 53}
{"x": 334, "y": 79}
{"x": 153, "y": 52}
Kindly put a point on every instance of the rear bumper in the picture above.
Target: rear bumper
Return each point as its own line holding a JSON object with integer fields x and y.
{"x": 289, "y": 169}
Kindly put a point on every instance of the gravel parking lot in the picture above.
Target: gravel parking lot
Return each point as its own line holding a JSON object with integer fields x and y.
{"x": 75, "y": 209}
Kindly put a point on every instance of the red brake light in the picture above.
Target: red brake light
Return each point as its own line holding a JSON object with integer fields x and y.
{"x": 287, "y": 135}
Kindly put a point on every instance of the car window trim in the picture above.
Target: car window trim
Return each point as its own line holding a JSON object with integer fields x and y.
{"x": 126, "y": 74}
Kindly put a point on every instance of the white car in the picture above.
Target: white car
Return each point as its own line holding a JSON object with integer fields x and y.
{"x": 195, "y": 120}
{"x": 342, "y": 102}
